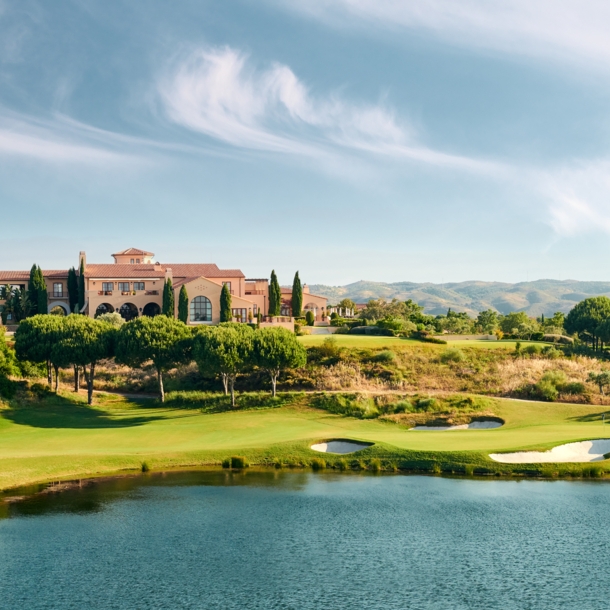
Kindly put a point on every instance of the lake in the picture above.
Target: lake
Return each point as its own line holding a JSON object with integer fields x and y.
{"x": 300, "y": 540}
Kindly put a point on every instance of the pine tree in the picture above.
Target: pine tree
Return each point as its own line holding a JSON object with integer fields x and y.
{"x": 168, "y": 299}
{"x": 275, "y": 296}
{"x": 72, "y": 289}
{"x": 33, "y": 290}
{"x": 225, "y": 304}
{"x": 183, "y": 305}
{"x": 41, "y": 293}
{"x": 81, "y": 286}
{"x": 297, "y": 296}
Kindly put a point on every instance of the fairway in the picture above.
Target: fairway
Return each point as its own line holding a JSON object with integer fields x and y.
{"x": 371, "y": 342}
{"x": 64, "y": 439}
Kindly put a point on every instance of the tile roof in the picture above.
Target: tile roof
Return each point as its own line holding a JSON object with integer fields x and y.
{"x": 133, "y": 251}
{"x": 179, "y": 270}
{"x": 198, "y": 270}
{"x": 15, "y": 276}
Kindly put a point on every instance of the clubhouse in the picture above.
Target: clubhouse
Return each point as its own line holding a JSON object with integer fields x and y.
{"x": 133, "y": 287}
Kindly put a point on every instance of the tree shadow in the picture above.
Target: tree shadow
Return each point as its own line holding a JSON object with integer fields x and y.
{"x": 60, "y": 412}
{"x": 600, "y": 417}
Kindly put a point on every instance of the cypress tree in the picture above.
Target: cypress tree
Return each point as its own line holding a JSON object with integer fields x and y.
{"x": 225, "y": 304}
{"x": 33, "y": 290}
{"x": 72, "y": 289}
{"x": 297, "y": 296}
{"x": 183, "y": 305}
{"x": 275, "y": 296}
{"x": 81, "y": 286}
{"x": 41, "y": 293}
{"x": 168, "y": 299}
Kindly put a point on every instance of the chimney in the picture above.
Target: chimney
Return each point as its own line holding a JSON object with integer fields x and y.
{"x": 169, "y": 275}
{"x": 82, "y": 257}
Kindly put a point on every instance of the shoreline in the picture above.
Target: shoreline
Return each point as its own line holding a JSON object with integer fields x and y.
{"x": 58, "y": 485}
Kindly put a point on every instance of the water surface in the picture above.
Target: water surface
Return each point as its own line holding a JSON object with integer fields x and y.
{"x": 286, "y": 540}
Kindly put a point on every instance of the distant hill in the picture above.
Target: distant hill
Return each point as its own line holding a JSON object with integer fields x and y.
{"x": 535, "y": 298}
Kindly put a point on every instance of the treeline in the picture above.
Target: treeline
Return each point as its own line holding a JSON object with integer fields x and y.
{"x": 408, "y": 318}
{"x": 226, "y": 350}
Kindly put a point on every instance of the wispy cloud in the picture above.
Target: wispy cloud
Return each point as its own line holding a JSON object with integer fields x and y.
{"x": 60, "y": 140}
{"x": 578, "y": 197}
{"x": 217, "y": 92}
{"x": 568, "y": 30}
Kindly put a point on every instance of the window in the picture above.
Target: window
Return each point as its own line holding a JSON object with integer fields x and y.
{"x": 132, "y": 261}
{"x": 58, "y": 290}
{"x": 201, "y": 310}
{"x": 228, "y": 285}
{"x": 138, "y": 285}
{"x": 124, "y": 286}
{"x": 107, "y": 286}
{"x": 241, "y": 315}
{"x": 137, "y": 261}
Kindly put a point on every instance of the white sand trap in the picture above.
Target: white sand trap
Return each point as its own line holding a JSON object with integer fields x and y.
{"x": 473, "y": 425}
{"x": 340, "y": 446}
{"x": 585, "y": 451}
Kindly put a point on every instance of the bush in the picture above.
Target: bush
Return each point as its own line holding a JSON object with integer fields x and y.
{"x": 532, "y": 350}
{"x": 427, "y": 404}
{"x": 545, "y": 390}
{"x": 552, "y": 353}
{"x": 310, "y": 318}
{"x": 558, "y": 339}
{"x": 239, "y": 461}
{"x": 453, "y": 354}
{"x": 573, "y": 388}
{"x": 375, "y": 465}
{"x": 352, "y": 405}
{"x": 342, "y": 464}
{"x": 386, "y": 356}
{"x": 318, "y": 464}
{"x": 144, "y": 467}
{"x": 403, "y": 406}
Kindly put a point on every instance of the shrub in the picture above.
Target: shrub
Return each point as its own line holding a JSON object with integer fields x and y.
{"x": 329, "y": 348}
{"x": 239, "y": 461}
{"x": 352, "y": 405}
{"x": 552, "y": 353}
{"x": 573, "y": 388}
{"x": 386, "y": 355}
{"x": 342, "y": 464}
{"x": 403, "y": 406}
{"x": 226, "y": 463}
{"x": 318, "y": 464}
{"x": 144, "y": 467}
{"x": 427, "y": 404}
{"x": 469, "y": 470}
{"x": 545, "y": 390}
{"x": 453, "y": 354}
{"x": 375, "y": 465}
{"x": 310, "y": 318}
{"x": 532, "y": 350}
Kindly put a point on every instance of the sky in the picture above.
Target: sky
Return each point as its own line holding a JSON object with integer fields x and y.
{"x": 352, "y": 140}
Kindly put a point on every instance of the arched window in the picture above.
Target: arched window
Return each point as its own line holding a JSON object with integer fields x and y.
{"x": 201, "y": 310}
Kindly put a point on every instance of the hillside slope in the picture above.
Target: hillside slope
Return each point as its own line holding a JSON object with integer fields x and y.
{"x": 535, "y": 298}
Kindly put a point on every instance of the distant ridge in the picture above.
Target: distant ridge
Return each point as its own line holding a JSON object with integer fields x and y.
{"x": 535, "y": 298}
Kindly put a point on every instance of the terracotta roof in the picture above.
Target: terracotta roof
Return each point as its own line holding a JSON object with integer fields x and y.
{"x": 198, "y": 270}
{"x": 15, "y": 276}
{"x": 135, "y": 251}
{"x": 144, "y": 271}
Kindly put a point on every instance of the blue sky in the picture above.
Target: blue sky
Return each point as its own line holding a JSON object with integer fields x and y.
{"x": 350, "y": 139}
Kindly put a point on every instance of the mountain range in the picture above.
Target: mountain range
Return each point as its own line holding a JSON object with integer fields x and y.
{"x": 535, "y": 298}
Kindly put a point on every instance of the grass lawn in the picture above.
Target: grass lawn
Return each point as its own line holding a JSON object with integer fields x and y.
{"x": 364, "y": 341}
{"x": 63, "y": 438}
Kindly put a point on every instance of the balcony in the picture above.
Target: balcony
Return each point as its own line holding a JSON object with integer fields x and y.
{"x": 253, "y": 292}
{"x": 150, "y": 293}
{"x": 58, "y": 295}
{"x": 126, "y": 293}
{"x": 105, "y": 293}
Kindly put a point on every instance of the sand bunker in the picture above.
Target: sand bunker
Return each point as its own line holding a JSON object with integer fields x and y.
{"x": 473, "y": 425}
{"x": 585, "y": 451}
{"x": 340, "y": 446}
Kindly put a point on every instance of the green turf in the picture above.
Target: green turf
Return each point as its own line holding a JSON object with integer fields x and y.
{"x": 364, "y": 341}
{"x": 61, "y": 438}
